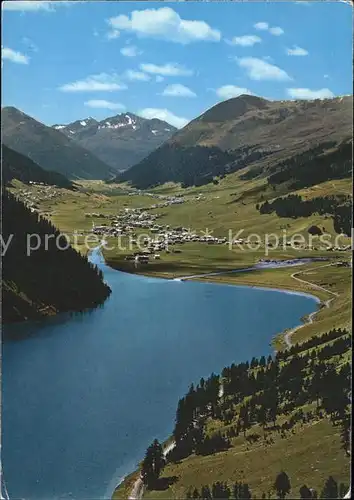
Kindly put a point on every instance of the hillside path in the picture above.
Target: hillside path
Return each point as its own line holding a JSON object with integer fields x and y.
{"x": 309, "y": 320}
{"x": 138, "y": 487}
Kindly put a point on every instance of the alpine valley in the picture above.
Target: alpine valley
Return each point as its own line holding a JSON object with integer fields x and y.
{"x": 176, "y": 236}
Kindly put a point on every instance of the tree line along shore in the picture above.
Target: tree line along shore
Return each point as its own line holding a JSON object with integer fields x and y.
{"x": 258, "y": 405}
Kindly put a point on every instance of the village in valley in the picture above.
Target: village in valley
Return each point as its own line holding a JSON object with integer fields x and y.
{"x": 37, "y": 192}
{"x": 145, "y": 237}
{"x": 139, "y": 227}
{"x": 161, "y": 238}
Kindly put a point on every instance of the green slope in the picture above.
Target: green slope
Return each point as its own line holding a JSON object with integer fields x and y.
{"x": 17, "y": 166}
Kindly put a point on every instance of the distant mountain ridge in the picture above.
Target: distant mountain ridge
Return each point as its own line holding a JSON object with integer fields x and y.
{"x": 254, "y": 132}
{"x": 121, "y": 140}
{"x": 76, "y": 126}
{"x": 49, "y": 148}
{"x": 250, "y": 120}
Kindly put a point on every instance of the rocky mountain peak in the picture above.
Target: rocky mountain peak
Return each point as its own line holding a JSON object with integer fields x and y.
{"x": 120, "y": 140}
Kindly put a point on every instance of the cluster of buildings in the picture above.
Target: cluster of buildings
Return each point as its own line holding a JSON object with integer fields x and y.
{"x": 156, "y": 238}
{"x": 339, "y": 249}
{"x": 139, "y": 192}
{"x": 164, "y": 239}
{"x": 169, "y": 199}
{"x": 125, "y": 222}
{"x": 43, "y": 192}
{"x": 166, "y": 200}
{"x": 98, "y": 215}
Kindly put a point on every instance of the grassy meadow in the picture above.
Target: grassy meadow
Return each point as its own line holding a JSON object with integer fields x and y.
{"x": 308, "y": 456}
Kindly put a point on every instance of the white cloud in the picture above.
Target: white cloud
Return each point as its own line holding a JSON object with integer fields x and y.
{"x": 178, "y": 90}
{"x": 13, "y": 56}
{"x": 325, "y": 76}
{"x": 165, "y": 115}
{"x": 33, "y": 5}
{"x": 169, "y": 69}
{"x": 102, "y": 104}
{"x": 165, "y": 24}
{"x": 276, "y": 31}
{"x": 300, "y": 93}
{"x": 131, "y": 74}
{"x": 261, "y": 26}
{"x": 306, "y": 4}
{"x": 230, "y": 91}
{"x": 130, "y": 51}
{"x": 159, "y": 79}
{"x": 297, "y": 51}
{"x": 245, "y": 40}
{"x": 258, "y": 69}
{"x": 112, "y": 35}
{"x": 94, "y": 83}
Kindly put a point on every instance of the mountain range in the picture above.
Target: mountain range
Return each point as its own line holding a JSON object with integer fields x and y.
{"x": 49, "y": 148}
{"x": 120, "y": 141}
{"x": 243, "y": 131}
{"x": 246, "y": 131}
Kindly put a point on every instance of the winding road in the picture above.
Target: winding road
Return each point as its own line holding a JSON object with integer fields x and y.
{"x": 309, "y": 319}
{"x": 256, "y": 267}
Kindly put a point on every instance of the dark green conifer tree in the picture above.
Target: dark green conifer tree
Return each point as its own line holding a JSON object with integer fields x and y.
{"x": 305, "y": 492}
{"x": 153, "y": 464}
{"x": 282, "y": 485}
{"x": 330, "y": 489}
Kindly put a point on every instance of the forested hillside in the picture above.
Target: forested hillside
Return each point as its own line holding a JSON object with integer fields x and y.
{"x": 189, "y": 166}
{"x": 252, "y": 408}
{"x": 293, "y": 206}
{"x": 324, "y": 162}
{"x": 48, "y": 279}
{"x": 17, "y": 166}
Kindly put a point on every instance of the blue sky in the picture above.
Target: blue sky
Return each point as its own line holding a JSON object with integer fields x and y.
{"x": 173, "y": 60}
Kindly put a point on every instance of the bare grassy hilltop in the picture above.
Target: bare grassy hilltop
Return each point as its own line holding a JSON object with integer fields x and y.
{"x": 244, "y": 131}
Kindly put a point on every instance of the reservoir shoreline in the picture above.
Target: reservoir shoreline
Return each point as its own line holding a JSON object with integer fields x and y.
{"x": 209, "y": 278}
{"x": 91, "y": 397}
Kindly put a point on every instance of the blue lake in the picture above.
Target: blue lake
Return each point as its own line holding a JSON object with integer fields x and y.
{"x": 83, "y": 396}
